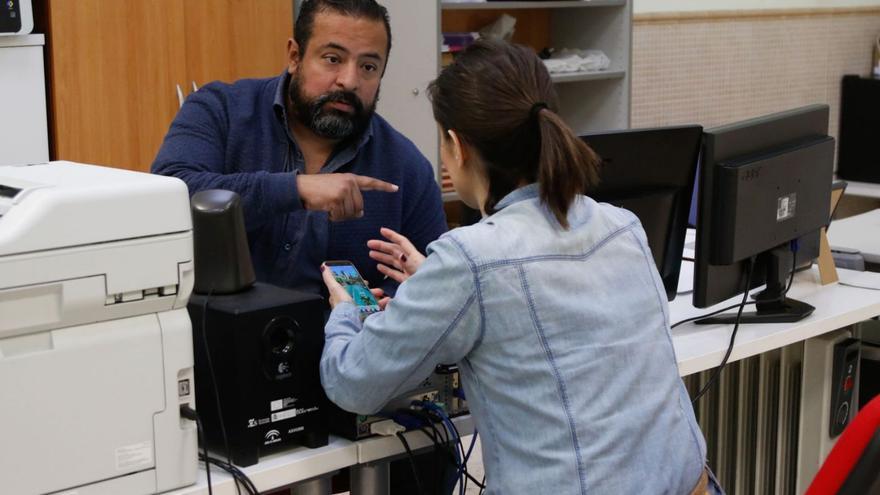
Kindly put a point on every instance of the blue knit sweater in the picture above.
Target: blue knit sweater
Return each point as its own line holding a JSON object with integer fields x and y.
{"x": 235, "y": 137}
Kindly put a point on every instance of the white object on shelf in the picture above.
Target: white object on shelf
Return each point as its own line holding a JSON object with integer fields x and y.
{"x": 567, "y": 61}
{"x": 24, "y": 135}
{"x": 501, "y": 29}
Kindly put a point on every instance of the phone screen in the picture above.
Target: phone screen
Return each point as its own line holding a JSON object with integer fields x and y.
{"x": 347, "y": 276}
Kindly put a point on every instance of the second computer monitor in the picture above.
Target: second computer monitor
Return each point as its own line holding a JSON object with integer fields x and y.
{"x": 651, "y": 173}
{"x": 765, "y": 184}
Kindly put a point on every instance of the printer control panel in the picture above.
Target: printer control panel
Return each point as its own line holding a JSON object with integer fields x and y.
{"x": 7, "y": 194}
{"x": 10, "y": 16}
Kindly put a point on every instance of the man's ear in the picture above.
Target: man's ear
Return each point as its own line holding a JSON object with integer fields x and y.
{"x": 293, "y": 55}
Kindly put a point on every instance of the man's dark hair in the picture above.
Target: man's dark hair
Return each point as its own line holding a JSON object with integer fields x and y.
{"x": 365, "y": 9}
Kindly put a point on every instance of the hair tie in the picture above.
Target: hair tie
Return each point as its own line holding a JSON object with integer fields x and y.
{"x": 536, "y": 109}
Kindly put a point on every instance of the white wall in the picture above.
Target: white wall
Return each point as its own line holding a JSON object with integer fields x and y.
{"x": 643, "y": 6}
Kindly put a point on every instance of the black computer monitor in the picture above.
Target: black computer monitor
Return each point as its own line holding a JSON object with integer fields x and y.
{"x": 765, "y": 183}
{"x": 651, "y": 173}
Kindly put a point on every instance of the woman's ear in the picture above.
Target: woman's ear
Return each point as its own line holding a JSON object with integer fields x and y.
{"x": 459, "y": 148}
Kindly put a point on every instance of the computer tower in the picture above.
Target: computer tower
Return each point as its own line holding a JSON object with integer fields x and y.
{"x": 442, "y": 387}
{"x": 256, "y": 359}
{"x": 858, "y": 158}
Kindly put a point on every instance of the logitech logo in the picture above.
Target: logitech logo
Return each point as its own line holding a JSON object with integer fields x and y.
{"x": 272, "y": 436}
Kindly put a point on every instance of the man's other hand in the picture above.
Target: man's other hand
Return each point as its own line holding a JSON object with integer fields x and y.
{"x": 338, "y": 194}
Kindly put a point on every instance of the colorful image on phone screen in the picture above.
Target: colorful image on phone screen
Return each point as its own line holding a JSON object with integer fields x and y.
{"x": 348, "y": 276}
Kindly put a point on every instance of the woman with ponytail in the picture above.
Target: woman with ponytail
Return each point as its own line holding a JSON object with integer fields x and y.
{"x": 551, "y": 305}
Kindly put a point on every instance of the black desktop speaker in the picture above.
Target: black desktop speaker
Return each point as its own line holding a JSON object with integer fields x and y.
{"x": 858, "y": 158}
{"x": 257, "y": 346}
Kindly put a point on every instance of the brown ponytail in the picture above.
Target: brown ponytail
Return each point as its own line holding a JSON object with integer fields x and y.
{"x": 567, "y": 167}
{"x": 500, "y": 99}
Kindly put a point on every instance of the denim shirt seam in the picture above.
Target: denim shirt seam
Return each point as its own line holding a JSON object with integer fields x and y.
{"x": 475, "y": 272}
{"x": 486, "y": 420}
{"x": 452, "y": 326}
{"x": 647, "y": 257}
{"x": 544, "y": 257}
{"x": 563, "y": 391}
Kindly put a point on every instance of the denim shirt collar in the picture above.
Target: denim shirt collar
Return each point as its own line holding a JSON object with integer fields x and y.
{"x": 340, "y": 156}
{"x": 523, "y": 193}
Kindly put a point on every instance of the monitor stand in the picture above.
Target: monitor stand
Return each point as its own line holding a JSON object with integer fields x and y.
{"x": 771, "y": 304}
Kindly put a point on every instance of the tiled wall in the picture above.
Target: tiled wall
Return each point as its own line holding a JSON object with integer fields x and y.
{"x": 717, "y": 69}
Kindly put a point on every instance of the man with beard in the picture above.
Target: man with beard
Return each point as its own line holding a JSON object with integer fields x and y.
{"x": 317, "y": 170}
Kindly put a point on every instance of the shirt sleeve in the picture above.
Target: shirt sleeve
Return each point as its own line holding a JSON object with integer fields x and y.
{"x": 194, "y": 151}
{"x": 435, "y": 318}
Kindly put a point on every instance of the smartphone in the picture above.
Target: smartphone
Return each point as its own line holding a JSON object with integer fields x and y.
{"x": 347, "y": 276}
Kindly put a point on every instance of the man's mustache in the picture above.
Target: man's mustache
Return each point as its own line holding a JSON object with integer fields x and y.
{"x": 346, "y": 97}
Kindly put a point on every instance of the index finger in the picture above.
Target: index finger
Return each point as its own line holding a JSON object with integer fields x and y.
{"x": 365, "y": 183}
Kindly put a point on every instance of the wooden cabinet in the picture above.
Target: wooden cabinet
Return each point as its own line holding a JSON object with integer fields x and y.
{"x": 114, "y": 67}
{"x": 233, "y": 39}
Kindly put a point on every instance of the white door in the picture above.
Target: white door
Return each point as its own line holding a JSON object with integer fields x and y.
{"x": 414, "y": 62}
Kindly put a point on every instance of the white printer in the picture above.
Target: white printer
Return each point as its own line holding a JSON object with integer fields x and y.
{"x": 96, "y": 268}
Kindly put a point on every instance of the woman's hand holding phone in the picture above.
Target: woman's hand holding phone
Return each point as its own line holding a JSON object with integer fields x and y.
{"x": 398, "y": 259}
{"x": 381, "y": 298}
{"x": 337, "y": 292}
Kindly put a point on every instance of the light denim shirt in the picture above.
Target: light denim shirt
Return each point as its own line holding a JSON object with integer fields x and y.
{"x": 563, "y": 341}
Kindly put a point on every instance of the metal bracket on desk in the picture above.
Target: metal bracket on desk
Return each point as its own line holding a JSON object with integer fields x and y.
{"x": 314, "y": 486}
{"x": 371, "y": 479}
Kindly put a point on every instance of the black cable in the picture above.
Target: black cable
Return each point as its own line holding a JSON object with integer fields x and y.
{"x": 462, "y": 467}
{"x": 717, "y": 373}
{"x": 462, "y": 464}
{"x": 191, "y": 414}
{"x": 713, "y": 313}
{"x": 434, "y": 440}
{"x": 467, "y": 457}
{"x": 452, "y": 458}
{"x": 237, "y": 474}
{"x": 791, "y": 277}
{"x": 440, "y": 443}
{"x": 412, "y": 462}
{"x": 483, "y": 485}
{"x": 214, "y": 381}
{"x": 434, "y": 436}
{"x": 858, "y": 286}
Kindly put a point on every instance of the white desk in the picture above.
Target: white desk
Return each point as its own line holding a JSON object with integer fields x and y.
{"x": 863, "y": 189}
{"x": 281, "y": 469}
{"x": 860, "y": 232}
{"x": 379, "y": 448}
{"x": 701, "y": 347}
{"x": 301, "y": 464}
{"x": 698, "y": 348}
